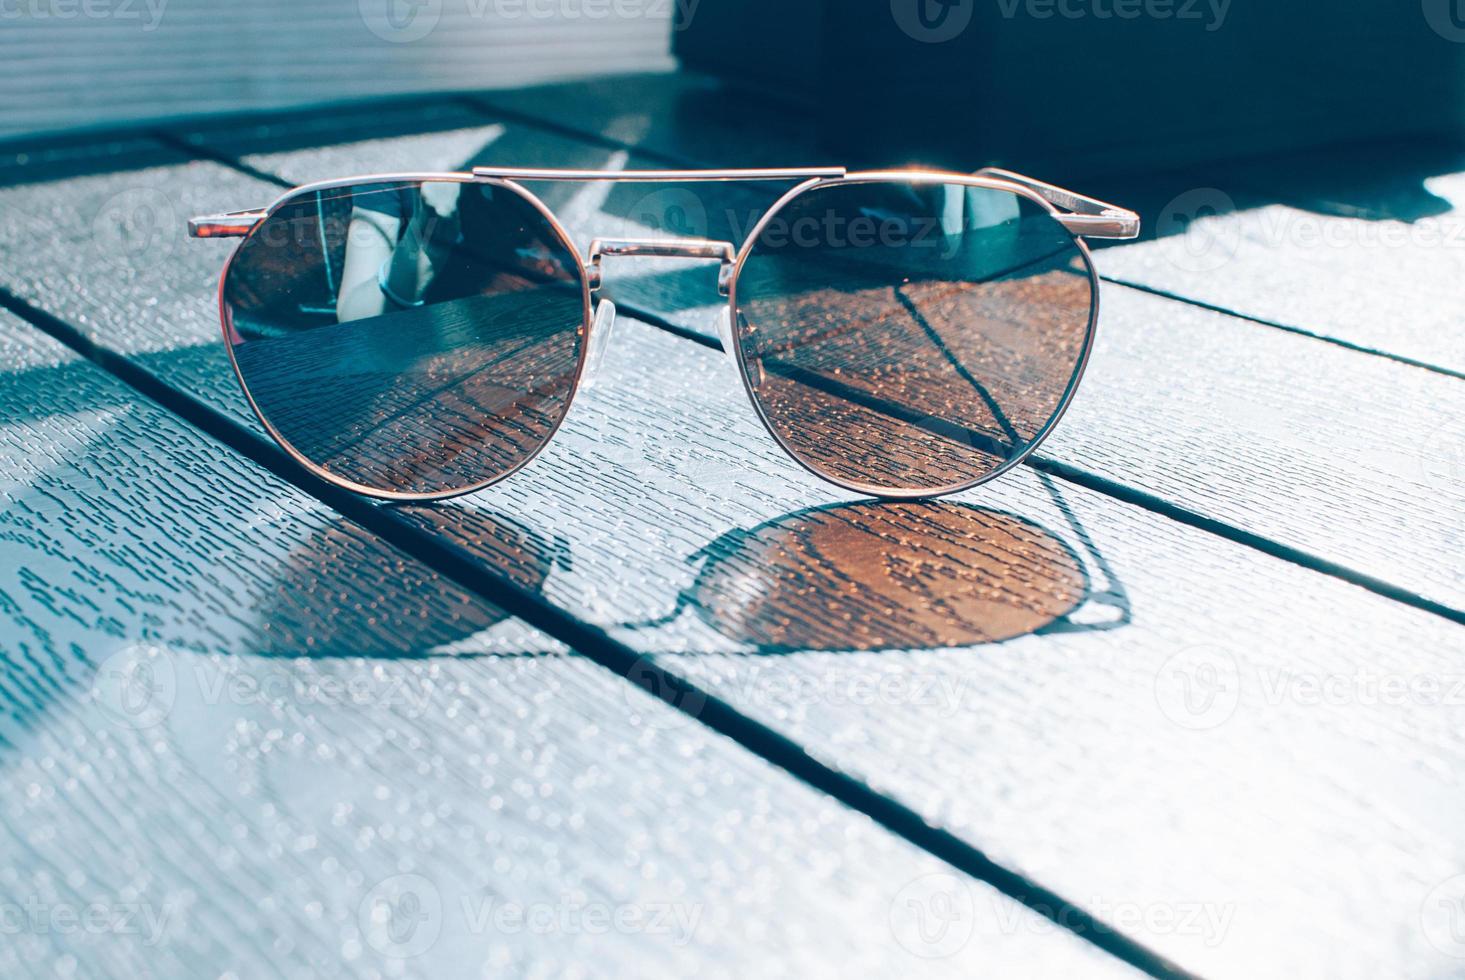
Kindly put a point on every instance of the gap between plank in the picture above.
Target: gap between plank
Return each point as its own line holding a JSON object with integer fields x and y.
{"x": 204, "y": 152}
{"x": 1301, "y": 332}
{"x": 595, "y": 644}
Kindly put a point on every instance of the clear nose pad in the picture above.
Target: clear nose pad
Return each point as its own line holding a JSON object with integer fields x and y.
{"x": 600, "y": 330}
{"x": 725, "y": 335}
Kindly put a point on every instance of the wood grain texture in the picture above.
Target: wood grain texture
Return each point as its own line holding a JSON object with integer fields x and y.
{"x": 238, "y": 732}
{"x": 1322, "y": 449}
{"x": 664, "y": 472}
{"x": 1374, "y": 264}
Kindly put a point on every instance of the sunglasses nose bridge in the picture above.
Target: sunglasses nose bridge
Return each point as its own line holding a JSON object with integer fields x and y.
{"x": 663, "y": 248}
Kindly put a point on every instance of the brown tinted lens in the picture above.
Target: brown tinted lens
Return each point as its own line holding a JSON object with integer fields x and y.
{"x": 415, "y": 338}
{"x": 910, "y": 337}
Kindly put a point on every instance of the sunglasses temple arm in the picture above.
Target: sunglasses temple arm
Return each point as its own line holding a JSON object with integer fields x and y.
{"x": 1091, "y": 217}
{"x": 235, "y": 224}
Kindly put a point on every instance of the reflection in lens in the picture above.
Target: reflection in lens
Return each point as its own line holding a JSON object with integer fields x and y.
{"x": 413, "y": 338}
{"x": 912, "y": 337}
{"x": 888, "y": 576}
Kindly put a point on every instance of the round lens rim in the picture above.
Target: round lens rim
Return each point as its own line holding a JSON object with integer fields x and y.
{"x": 226, "y": 322}
{"x": 912, "y": 177}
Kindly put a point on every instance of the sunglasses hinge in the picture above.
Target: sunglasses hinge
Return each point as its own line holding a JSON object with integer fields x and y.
{"x": 235, "y": 224}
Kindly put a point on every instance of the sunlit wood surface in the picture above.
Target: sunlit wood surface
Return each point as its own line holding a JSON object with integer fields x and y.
{"x": 1197, "y": 671}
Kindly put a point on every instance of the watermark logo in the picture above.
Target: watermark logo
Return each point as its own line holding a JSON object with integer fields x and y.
{"x": 1199, "y": 688}
{"x": 401, "y": 916}
{"x": 136, "y": 227}
{"x": 934, "y": 916}
{"x": 136, "y": 686}
{"x": 932, "y": 21}
{"x": 400, "y": 21}
{"x": 675, "y": 212}
{"x": 1442, "y": 916}
{"x": 1201, "y": 221}
{"x": 681, "y": 704}
{"x": 1442, "y": 457}
{"x": 1446, "y": 18}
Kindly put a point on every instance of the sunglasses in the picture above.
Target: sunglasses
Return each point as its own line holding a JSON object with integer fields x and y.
{"x": 902, "y": 334}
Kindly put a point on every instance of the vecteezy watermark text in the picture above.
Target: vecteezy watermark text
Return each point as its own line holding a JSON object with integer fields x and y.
{"x": 833, "y": 230}
{"x": 403, "y": 916}
{"x": 148, "y": 13}
{"x": 938, "y": 21}
{"x": 406, "y": 21}
{"x": 675, "y": 920}
{"x": 936, "y": 915}
{"x": 679, "y": 12}
{"x": 1201, "y": 688}
{"x": 34, "y": 916}
{"x": 137, "y": 686}
{"x": 1207, "y": 231}
{"x": 1211, "y": 12}
{"x": 937, "y": 694}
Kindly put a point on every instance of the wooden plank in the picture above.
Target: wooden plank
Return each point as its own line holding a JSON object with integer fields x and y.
{"x": 235, "y": 725}
{"x": 1285, "y": 821}
{"x": 1240, "y": 434}
{"x": 167, "y": 58}
{"x": 1322, "y": 244}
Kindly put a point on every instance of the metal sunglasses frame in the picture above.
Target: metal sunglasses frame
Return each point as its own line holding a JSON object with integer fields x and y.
{"x": 1081, "y": 216}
